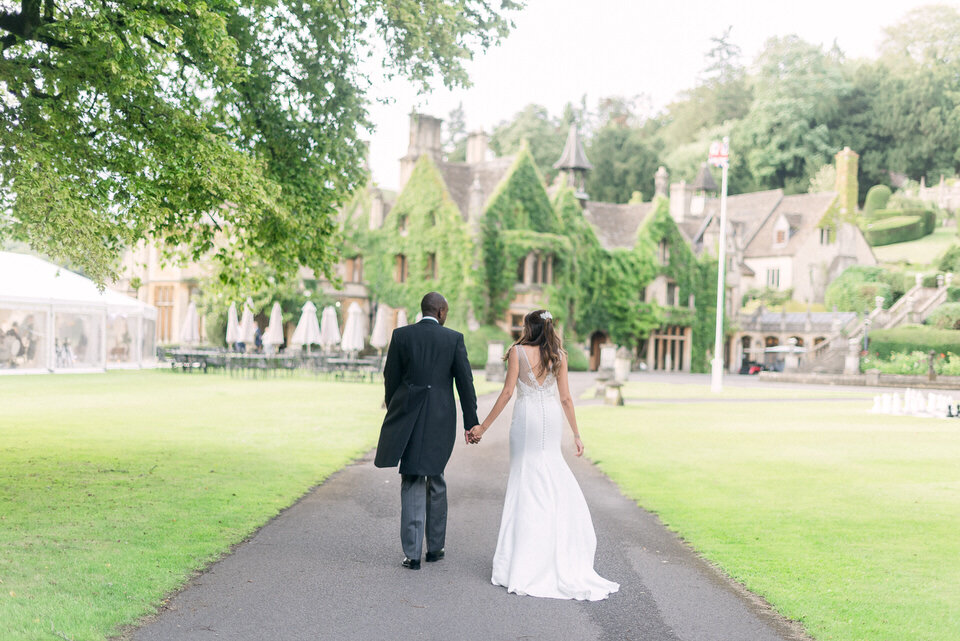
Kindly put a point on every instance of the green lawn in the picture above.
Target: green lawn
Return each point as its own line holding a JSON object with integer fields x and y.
{"x": 921, "y": 252}
{"x": 846, "y": 521}
{"x": 115, "y": 487}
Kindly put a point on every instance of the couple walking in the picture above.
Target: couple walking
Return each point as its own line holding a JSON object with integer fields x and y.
{"x": 547, "y": 542}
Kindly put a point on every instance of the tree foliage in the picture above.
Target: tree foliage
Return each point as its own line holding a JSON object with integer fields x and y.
{"x": 173, "y": 120}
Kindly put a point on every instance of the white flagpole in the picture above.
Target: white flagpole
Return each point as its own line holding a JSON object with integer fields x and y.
{"x": 716, "y": 383}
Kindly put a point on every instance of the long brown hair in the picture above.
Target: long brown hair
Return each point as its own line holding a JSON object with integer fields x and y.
{"x": 539, "y": 330}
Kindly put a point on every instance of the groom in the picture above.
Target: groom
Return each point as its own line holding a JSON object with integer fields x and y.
{"x": 419, "y": 429}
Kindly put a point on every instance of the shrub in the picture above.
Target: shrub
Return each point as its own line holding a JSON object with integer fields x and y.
{"x": 855, "y": 289}
{"x": 916, "y": 363}
{"x": 478, "y": 341}
{"x": 894, "y": 229}
{"x": 929, "y": 280}
{"x": 950, "y": 261}
{"x": 947, "y": 316}
{"x": 953, "y": 294}
{"x": 911, "y": 338}
{"x": 576, "y": 359}
{"x": 877, "y": 198}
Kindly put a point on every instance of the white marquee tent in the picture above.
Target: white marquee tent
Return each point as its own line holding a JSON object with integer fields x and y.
{"x": 53, "y": 320}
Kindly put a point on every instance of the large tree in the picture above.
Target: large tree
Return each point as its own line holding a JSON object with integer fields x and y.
{"x": 168, "y": 120}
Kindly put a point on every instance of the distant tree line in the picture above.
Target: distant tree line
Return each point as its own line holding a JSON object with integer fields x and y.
{"x": 787, "y": 113}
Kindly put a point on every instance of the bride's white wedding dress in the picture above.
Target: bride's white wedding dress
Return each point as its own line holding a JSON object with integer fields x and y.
{"x": 547, "y": 542}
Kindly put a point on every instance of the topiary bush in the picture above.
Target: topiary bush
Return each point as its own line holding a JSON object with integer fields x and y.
{"x": 894, "y": 229}
{"x": 877, "y": 198}
{"x": 912, "y": 338}
{"x": 478, "y": 341}
{"x": 947, "y": 316}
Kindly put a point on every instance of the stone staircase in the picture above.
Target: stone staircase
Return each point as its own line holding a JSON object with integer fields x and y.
{"x": 841, "y": 351}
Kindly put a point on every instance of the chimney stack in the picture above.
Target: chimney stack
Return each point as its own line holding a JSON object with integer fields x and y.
{"x": 846, "y": 185}
{"x": 477, "y": 147}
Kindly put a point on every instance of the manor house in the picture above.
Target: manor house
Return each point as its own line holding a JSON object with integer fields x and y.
{"x": 490, "y": 234}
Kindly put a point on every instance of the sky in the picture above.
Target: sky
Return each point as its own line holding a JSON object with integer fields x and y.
{"x": 560, "y": 50}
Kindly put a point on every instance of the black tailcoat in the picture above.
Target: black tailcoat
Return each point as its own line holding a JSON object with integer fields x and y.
{"x": 420, "y": 427}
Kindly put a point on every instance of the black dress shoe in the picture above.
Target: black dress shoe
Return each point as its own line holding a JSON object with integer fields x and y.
{"x": 434, "y": 556}
{"x": 410, "y": 564}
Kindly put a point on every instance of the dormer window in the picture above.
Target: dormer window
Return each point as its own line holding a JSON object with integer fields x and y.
{"x": 781, "y": 232}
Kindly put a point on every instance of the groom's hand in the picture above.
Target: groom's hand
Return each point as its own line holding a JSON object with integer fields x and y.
{"x": 471, "y": 436}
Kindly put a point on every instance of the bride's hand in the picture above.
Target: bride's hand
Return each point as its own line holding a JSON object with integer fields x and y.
{"x": 579, "y": 444}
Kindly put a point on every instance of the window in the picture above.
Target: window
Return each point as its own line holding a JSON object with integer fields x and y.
{"x": 431, "y": 266}
{"x": 522, "y": 270}
{"x": 671, "y": 294}
{"x": 401, "y": 273}
{"x": 773, "y": 278}
{"x": 643, "y": 294}
{"x": 163, "y": 300}
{"x": 781, "y": 237}
{"x": 548, "y": 269}
{"x": 402, "y": 223}
{"x": 826, "y": 236}
{"x": 663, "y": 252}
{"x": 358, "y": 269}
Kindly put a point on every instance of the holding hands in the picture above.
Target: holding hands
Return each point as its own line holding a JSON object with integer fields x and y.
{"x": 473, "y": 435}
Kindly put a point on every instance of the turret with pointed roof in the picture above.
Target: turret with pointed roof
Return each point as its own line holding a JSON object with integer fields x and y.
{"x": 573, "y": 162}
{"x": 704, "y": 181}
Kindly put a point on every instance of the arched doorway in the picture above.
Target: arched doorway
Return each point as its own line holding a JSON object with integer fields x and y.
{"x": 597, "y": 340}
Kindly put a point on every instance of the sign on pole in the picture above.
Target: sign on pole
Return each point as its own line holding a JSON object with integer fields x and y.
{"x": 720, "y": 157}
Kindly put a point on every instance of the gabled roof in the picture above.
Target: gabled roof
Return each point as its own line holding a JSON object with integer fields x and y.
{"x": 704, "y": 180}
{"x": 750, "y": 211}
{"x": 460, "y": 178}
{"x": 616, "y": 225}
{"x": 573, "y": 156}
{"x": 803, "y": 212}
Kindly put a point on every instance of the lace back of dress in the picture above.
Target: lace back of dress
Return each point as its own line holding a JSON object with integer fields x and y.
{"x": 527, "y": 375}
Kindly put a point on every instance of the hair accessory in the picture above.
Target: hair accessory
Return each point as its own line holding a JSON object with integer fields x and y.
{"x": 546, "y": 316}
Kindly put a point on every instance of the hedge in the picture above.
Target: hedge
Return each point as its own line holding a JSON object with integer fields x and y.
{"x": 913, "y": 338}
{"x": 929, "y": 217}
{"x": 896, "y": 229}
{"x": 478, "y": 341}
{"x": 947, "y": 316}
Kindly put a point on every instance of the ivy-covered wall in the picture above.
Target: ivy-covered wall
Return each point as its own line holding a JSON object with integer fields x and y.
{"x": 519, "y": 219}
{"x": 693, "y": 275}
{"x": 423, "y": 222}
{"x": 593, "y": 288}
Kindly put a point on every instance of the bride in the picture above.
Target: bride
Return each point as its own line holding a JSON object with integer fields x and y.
{"x": 546, "y": 543}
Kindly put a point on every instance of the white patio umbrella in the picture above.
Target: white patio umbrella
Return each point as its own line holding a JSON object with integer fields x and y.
{"x": 274, "y": 334}
{"x": 248, "y": 326}
{"x": 307, "y": 332}
{"x": 353, "y": 330}
{"x": 402, "y": 318}
{"x": 190, "y": 330}
{"x": 329, "y": 328}
{"x": 380, "y": 335}
{"x": 233, "y": 326}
